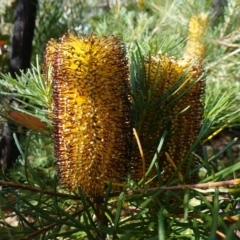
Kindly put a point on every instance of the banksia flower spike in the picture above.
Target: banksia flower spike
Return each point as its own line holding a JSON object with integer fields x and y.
{"x": 91, "y": 116}
{"x": 196, "y": 30}
{"x": 175, "y": 86}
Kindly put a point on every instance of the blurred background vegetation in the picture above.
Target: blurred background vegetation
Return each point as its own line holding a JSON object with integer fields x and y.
{"x": 157, "y": 27}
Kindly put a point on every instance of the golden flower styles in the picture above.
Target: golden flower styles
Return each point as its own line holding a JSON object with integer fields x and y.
{"x": 91, "y": 117}
{"x": 175, "y": 85}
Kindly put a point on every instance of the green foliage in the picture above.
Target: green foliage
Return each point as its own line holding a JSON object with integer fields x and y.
{"x": 31, "y": 91}
{"x": 49, "y": 23}
{"x": 201, "y": 211}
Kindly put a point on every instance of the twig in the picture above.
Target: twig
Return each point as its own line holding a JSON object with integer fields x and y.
{"x": 228, "y": 44}
{"x": 130, "y": 192}
{"x": 38, "y": 189}
{"x": 222, "y": 59}
{"x": 198, "y": 185}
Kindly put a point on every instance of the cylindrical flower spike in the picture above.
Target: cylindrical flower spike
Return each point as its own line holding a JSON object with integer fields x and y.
{"x": 175, "y": 86}
{"x": 196, "y": 30}
{"x": 91, "y": 114}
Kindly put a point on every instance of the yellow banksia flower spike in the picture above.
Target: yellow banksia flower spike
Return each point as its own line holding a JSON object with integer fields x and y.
{"x": 196, "y": 31}
{"x": 184, "y": 78}
{"x": 91, "y": 115}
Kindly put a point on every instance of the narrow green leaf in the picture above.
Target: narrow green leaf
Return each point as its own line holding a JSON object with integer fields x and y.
{"x": 215, "y": 214}
{"x": 186, "y": 203}
{"x": 118, "y": 215}
{"x": 161, "y": 226}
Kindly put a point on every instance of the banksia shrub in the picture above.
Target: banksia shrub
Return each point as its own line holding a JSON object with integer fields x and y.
{"x": 91, "y": 119}
{"x": 176, "y": 88}
{"x": 196, "y": 30}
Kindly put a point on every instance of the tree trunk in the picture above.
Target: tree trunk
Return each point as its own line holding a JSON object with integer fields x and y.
{"x": 24, "y": 24}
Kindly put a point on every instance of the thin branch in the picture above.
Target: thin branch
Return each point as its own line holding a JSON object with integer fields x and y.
{"x": 192, "y": 186}
{"x": 130, "y": 192}
{"x": 38, "y": 189}
{"x": 228, "y": 44}
{"x": 222, "y": 59}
